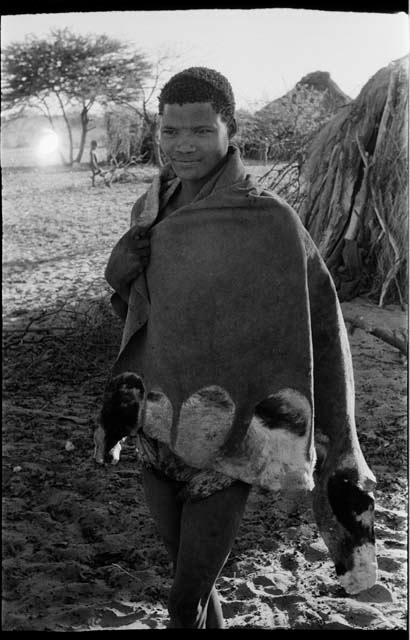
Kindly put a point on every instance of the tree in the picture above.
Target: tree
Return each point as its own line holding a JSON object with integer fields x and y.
{"x": 140, "y": 100}
{"x": 124, "y": 134}
{"x": 66, "y": 71}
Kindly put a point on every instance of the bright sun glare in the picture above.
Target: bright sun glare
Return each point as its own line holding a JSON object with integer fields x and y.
{"x": 48, "y": 143}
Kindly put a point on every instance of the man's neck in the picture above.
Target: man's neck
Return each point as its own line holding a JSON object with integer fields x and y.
{"x": 188, "y": 191}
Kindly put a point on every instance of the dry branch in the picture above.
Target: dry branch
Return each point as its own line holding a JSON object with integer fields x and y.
{"x": 44, "y": 414}
{"x": 396, "y": 338}
{"x": 391, "y": 275}
{"x": 36, "y": 330}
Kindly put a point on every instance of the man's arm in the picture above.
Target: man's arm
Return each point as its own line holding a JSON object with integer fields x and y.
{"x": 127, "y": 261}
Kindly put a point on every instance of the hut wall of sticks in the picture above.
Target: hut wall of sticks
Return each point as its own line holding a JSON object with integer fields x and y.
{"x": 356, "y": 190}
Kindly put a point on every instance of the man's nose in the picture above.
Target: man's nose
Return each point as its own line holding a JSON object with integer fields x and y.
{"x": 185, "y": 144}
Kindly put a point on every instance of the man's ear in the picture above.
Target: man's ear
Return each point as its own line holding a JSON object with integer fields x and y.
{"x": 232, "y": 128}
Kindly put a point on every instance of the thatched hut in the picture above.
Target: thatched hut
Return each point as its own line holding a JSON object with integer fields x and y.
{"x": 356, "y": 204}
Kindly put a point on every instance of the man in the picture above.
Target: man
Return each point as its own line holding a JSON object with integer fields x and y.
{"x": 221, "y": 289}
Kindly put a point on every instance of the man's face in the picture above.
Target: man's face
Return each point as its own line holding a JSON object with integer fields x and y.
{"x": 194, "y": 138}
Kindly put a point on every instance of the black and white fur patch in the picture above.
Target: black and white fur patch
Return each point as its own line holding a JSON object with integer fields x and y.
{"x": 123, "y": 403}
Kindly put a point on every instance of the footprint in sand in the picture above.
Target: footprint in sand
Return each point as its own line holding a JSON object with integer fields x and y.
{"x": 391, "y": 565}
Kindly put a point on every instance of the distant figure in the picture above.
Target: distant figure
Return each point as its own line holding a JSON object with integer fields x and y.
{"x": 95, "y": 168}
{"x": 265, "y": 150}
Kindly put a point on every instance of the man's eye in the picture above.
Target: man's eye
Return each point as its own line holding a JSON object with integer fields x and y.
{"x": 202, "y": 130}
{"x": 168, "y": 132}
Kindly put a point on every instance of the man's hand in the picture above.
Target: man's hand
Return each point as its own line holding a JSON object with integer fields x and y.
{"x": 140, "y": 243}
{"x": 128, "y": 260}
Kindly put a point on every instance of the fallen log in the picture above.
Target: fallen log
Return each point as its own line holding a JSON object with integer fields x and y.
{"x": 397, "y": 338}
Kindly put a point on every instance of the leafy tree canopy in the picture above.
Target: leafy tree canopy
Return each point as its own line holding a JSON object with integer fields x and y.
{"x": 69, "y": 70}
{"x": 81, "y": 67}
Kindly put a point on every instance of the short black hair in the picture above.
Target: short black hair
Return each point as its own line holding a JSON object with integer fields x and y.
{"x": 199, "y": 84}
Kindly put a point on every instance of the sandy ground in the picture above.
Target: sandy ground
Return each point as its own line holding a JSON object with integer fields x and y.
{"x": 80, "y": 551}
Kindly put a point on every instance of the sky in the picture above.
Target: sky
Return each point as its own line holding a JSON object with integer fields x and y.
{"x": 263, "y": 52}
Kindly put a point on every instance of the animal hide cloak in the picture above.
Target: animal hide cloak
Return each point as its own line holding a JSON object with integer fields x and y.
{"x": 236, "y": 307}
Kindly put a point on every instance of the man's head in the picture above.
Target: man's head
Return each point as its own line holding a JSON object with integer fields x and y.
{"x": 199, "y": 84}
{"x": 93, "y": 144}
{"x": 197, "y": 108}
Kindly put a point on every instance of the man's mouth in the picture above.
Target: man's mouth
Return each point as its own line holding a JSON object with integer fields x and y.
{"x": 186, "y": 162}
